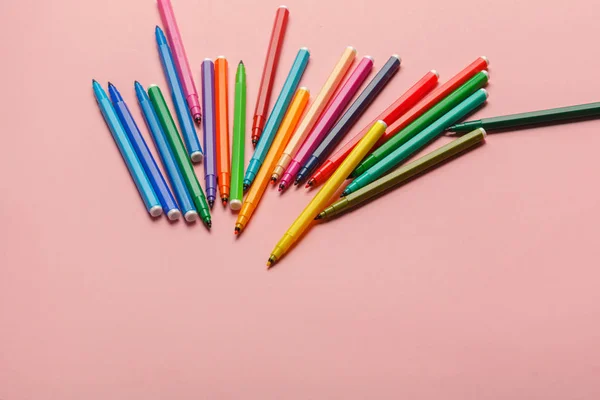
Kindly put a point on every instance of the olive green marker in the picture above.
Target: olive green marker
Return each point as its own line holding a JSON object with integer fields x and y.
{"x": 183, "y": 160}
{"x": 455, "y": 98}
{"x": 424, "y": 164}
{"x": 530, "y": 119}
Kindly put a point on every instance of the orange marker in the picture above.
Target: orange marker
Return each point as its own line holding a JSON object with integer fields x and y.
{"x": 222, "y": 113}
{"x": 287, "y": 128}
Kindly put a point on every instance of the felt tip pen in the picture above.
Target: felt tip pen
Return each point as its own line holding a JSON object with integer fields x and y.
{"x": 186, "y": 123}
{"x": 134, "y": 166}
{"x": 183, "y": 160}
{"x": 281, "y": 105}
{"x": 143, "y": 152}
{"x": 418, "y": 142}
{"x": 186, "y": 204}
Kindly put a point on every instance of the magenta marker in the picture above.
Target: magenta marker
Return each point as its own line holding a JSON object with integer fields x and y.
{"x": 183, "y": 67}
{"x": 209, "y": 128}
{"x": 329, "y": 117}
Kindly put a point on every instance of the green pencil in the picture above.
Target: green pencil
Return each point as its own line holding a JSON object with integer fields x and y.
{"x": 417, "y": 142}
{"x": 455, "y": 98}
{"x": 401, "y": 175}
{"x": 183, "y": 160}
{"x": 239, "y": 138}
{"x": 530, "y": 119}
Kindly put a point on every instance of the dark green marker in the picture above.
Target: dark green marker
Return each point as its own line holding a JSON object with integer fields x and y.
{"x": 530, "y": 119}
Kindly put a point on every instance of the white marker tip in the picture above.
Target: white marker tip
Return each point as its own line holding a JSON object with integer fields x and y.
{"x": 156, "y": 211}
{"x": 484, "y": 132}
{"x": 191, "y": 216}
{"x": 433, "y": 71}
{"x": 235, "y": 205}
{"x": 484, "y": 58}
{"x": 370, "y": 58}
{"x": 174, "y": 214}
{"x": 196, "y": 157}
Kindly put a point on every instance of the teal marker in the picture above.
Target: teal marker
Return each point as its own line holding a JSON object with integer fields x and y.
{"x": 136, "y": 170}
{"x": 281, "y": 105}
{"x": 448, "y": 103}
{"x": 417, "y": 142}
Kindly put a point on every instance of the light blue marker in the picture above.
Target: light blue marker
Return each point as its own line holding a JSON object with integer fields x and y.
{"x": 281, "y": 105}
{"x": 143, "y": 152}
{"x": 131, "y": 160}
{"x": 186, "y": 123}
{"x": 166, "y": 155}
{"x": 419, "y": 141}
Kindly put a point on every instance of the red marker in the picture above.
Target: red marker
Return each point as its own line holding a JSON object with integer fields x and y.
{"x": 266, "y": 82}
{"x": 400, "y": 117}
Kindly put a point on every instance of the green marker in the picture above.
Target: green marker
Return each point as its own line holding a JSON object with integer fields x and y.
{"x": 476, "y": 82}
{"x": 183, "y": 160}
{"x": 239, "y": 138}
{"x": 401, "y": 175}
{"x": 533, "y": 118}
{"x": 417, "y": 142}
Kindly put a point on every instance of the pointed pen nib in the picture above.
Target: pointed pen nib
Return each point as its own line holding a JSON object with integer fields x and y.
{"x": 208, "y": 224}
{"x": 273, "y": 180}
{"x": 198, "y": 120}
{"x": 270, "y": 262}
{"x": 94, "y": 81}
{"x": 224, "y": 200}
{"x": 310, "y": 183}
{"x": 211, "y": 203}
{"x": 320, "y": 216}
{"x": 296, "y": 182}
{"x": 281, "y": 187}
{"x": 246, "y": 187}
{"x": 241, "y": 62}
{"x": 238, "y": 229}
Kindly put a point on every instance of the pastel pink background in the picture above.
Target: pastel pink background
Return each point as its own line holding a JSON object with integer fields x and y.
{"x": 477, "y": 281}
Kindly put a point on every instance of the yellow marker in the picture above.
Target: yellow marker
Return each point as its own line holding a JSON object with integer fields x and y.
{"x": 290, "y": 121}
{"x": 315, "y": 110}
{"x": 320, "y": 201}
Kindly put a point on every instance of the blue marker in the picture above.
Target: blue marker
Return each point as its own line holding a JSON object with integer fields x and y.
{"x": 139, "y": 144}
{"x": 166, "y": 155}
{"x": 281, "y": 105}
{"x": 136, "y": 170}
{"x": 188, "y": 131}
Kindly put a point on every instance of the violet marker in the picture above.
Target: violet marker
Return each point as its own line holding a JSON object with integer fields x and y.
{"x": 329, "y": 117}
{"x": 209, "y": 130}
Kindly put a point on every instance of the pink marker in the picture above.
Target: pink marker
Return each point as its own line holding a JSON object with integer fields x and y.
{"x": 181, "y": 61}
{"x": 329, "y": 117}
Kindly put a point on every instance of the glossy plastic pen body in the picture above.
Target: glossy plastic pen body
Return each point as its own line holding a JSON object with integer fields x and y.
{"x": 222, "y": 131}
{"x": 279, "y": 109}
{"x": 352, "y": 114}
{"x": 268, "y": 76}
{"x": 239, "y": 139}
{"x": 186, "y": 123}
{"x": 183, "y": 67}
{"x": 209, "y": 130}
{"x": 288, "y": 125}
{"x": 134, "y": 166}
{"x": 315, "y": 110}
{"x": 327, "y": 120}
{"x": 417, "y": 142}
{"x": 405, "y": 173}
{"x": 182, "y": 195}
{"x": 399, "y": 107}
{"x": 183, "y": 160}
{"x": 319, "y": 202}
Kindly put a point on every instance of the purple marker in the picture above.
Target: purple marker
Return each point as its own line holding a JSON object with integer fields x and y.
{"x": 208, "y": 128}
